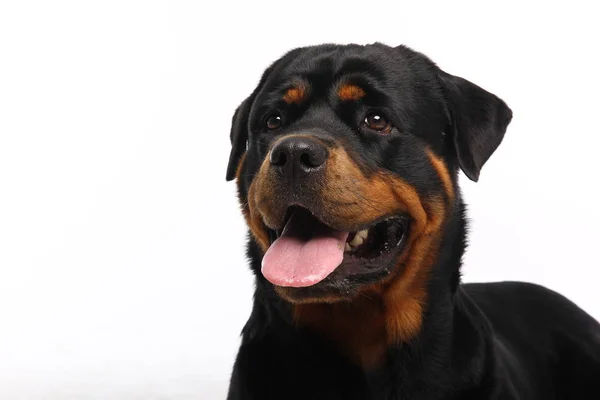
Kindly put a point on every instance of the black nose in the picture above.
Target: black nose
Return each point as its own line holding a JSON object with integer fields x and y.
{"x": 298, "y": 156}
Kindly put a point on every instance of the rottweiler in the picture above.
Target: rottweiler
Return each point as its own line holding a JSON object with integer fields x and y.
{"x": 346, "y": 160}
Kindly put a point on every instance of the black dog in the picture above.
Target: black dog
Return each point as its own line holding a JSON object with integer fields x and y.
{"x": 346, "y": 159}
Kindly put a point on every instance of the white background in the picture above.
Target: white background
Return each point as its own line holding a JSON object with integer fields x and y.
{"x": 122, "y": 268}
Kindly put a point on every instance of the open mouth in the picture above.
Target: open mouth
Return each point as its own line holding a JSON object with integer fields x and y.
{"x": 308, "y": 251}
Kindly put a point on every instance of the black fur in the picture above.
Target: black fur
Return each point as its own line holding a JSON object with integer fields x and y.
{"x": 505, "y": 340}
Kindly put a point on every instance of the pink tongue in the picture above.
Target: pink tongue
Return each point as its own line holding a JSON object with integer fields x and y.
{"x": 305, "y": 253}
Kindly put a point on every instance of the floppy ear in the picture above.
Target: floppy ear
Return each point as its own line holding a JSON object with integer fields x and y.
{"x": 239, "y": 125}
{"x": 238, "y": 136}
{"x": 479, "y": 120}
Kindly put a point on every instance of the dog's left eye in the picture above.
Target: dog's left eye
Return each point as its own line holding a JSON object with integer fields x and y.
{"x": 273, "y": 121}
{"x": 378, "y": 122}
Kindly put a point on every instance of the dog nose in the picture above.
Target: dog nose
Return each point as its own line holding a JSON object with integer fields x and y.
{"x": 298, "y": 156}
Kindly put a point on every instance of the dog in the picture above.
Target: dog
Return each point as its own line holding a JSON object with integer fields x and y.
{"x": 346, "y": 160}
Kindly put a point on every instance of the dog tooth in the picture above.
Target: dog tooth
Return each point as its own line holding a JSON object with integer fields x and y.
{"x": 356, "y": 241}
{"x": 363, "y": 234}
{"x": 347, "y": 247}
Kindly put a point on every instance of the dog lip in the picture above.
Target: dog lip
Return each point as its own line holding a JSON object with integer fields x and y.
{"x": 346, "y": 227}
{"x": 358, "y": 268}
{"x": 377, "y": 221}
{"x": 381, "y": 239}
{"x": 403, "y": 219}
{"x": 361, "y": 266}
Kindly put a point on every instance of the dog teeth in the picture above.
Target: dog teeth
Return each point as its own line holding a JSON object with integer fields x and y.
{"x": 356, "y": 241}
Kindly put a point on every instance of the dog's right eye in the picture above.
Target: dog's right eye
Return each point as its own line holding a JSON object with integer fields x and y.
{"x": 273, "y": 121}
{"x": 377, "y": 122}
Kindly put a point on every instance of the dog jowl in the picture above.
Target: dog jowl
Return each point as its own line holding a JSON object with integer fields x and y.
{"x": 346, "y": 160}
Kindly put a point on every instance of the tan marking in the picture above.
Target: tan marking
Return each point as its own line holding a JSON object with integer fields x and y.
{"x": 238, "y": 171}
{"x": 238, "y": 174}
{"x": 406, "y": 293}
{"x": 350, "y": 92}
{"x": 254, "y": 221}
{"x": 295, "y": 95}
{"x": 442, "y": 171}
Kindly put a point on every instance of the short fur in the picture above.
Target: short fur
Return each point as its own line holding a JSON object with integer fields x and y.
{"x": 411, "y": 330}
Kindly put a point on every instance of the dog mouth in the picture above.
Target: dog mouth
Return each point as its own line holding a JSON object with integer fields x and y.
{"x": 307, "y": 251}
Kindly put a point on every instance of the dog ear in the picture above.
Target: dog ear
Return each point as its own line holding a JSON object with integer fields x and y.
{"x": 478, "y": 121}
{"x": 239, "y": 125}
{"x": 238, "y": 136}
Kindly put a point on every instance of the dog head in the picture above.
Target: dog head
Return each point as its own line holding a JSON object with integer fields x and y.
{"x": 346, "y": 160}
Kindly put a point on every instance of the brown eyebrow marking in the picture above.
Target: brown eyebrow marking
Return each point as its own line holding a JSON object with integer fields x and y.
{"x": 350, "y": 92}
{"x": 296, "y": 94}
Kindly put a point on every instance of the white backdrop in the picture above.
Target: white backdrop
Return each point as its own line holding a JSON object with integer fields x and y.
{"x": 122, "y": 268}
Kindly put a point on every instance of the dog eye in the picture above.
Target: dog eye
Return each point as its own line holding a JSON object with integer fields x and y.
{"x": 273, "y": 121}
{"x": 378, "y": 122}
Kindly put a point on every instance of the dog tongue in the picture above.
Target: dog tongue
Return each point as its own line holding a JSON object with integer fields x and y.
{"x": 306, "y": 252}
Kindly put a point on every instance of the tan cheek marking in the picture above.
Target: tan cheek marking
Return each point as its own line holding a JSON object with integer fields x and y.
{"x": 238, "y": 175}
{"x": 442, "y": 171}
{"x": 368, "y": 198}
{"x": 295, "y": 95}
{"x": 253, "y": 219}
{"x": 238, "y": 171}
{"x": 406, "y": 295}
{"x": 364, "y": 199}
{"x": 350, "y": 92}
